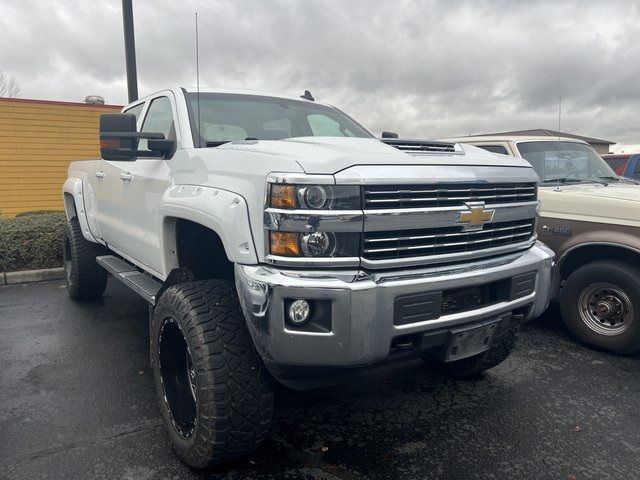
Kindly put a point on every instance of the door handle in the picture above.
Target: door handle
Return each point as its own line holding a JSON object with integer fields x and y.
{"x": 126, "y": 176}
{"x": 100, "y": 174}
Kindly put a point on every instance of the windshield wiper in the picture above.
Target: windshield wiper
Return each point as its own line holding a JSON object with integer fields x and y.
{"x": 216, "y": 143}
{"x": 610, "y": 177}
{"x": 562, "y": 180}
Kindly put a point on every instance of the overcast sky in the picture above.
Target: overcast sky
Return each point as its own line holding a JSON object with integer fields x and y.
{"x": 421, "y": 68}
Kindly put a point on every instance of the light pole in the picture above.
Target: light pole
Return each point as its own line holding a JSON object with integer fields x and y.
{"x": 130, "y": 49}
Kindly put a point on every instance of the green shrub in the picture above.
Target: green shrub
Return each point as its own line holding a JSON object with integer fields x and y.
{"x": 31, "y": 241}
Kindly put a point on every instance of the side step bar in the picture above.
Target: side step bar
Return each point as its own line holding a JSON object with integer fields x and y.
{"x": 141, "y": 283}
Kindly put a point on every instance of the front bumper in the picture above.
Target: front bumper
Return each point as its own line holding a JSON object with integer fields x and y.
{"x": 362, "y": 329}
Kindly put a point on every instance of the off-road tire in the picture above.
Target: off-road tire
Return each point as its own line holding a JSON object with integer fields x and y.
{"x": 233, "y": 392}
{"x": 625, "y": 277}
{"x": 469, "y": 367}
{"x": 86, "y": 280}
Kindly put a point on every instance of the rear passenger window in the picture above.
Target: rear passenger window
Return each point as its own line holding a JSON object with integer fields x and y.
{"x": 494, "y": 149}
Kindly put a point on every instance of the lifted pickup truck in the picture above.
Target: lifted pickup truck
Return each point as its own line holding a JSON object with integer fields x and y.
{"x": 591, "y": 220}
{"x": 276, "y": 237}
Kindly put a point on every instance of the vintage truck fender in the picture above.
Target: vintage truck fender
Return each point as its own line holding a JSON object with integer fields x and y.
{"x": 222, "y": 211}
{"x": 74, "y": 205}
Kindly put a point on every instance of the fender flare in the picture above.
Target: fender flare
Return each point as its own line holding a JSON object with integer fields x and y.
{"x": 72, "y": 193}
{"x": 224, "y": 212}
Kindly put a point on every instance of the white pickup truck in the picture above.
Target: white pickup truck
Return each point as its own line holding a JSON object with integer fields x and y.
{"x": 275, "y": 237}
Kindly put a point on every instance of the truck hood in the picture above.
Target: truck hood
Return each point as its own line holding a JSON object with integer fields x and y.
{"x": 329, "y": 155}
{"x": 592, "y": 202}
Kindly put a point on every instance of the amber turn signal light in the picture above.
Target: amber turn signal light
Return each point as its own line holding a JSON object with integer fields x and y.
{"x": 285, "y": 244}
{"x": 283, "y": 196}
{"x": 110, "y": 143}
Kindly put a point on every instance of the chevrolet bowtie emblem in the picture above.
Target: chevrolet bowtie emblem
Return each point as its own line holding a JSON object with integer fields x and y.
{"x": 475, "y": 216}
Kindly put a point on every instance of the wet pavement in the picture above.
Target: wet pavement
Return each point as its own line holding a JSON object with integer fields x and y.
{"x": 77, "y": 401}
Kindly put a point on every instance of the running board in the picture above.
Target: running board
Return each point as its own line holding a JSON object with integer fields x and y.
{"x": 141, "y": 283}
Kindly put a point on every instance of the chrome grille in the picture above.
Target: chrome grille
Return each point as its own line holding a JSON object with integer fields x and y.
{"x": 444, "y": 240}
{"x": 454, "y": 194}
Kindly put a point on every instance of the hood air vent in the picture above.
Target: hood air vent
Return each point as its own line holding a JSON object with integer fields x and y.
{"x": 421, "y": 146}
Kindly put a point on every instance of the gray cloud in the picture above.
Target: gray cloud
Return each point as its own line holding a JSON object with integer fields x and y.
{"x": 422, "y": 68}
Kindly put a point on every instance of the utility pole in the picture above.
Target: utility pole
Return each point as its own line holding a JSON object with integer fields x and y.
{"x": 130, "y": 49}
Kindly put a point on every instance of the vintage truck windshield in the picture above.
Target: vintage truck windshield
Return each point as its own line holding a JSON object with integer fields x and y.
{"x": 567, "y": 162}
{"x": 227, "y": 117}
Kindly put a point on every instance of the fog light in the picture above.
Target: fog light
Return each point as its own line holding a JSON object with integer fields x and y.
{"x": 318, "y": 244}
{"x": 299, "y": 312}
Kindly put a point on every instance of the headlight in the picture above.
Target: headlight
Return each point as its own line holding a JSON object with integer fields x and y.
{"x": 315, "y": 197}
{"x": 315, "y": 244}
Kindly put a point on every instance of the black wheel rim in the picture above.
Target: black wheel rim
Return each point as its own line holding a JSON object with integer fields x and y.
{"x": 66, "y": 257}
{"x": 178, "y": 377}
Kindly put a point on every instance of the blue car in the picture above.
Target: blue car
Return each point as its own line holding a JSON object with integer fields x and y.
{"x": 626, "y": 165}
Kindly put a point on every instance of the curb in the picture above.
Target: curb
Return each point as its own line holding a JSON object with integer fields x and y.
{"x": 27, "y": 276}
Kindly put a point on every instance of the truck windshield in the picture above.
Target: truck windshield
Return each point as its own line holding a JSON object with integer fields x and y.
{"x": 566, "y": 162}
{"x": 226, "y": 117}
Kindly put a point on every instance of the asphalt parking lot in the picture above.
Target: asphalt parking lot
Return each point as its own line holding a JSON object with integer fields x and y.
{"x": 77, "y": 401}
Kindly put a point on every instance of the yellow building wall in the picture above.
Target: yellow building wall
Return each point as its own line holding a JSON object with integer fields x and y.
{"x": 38, "y": 139}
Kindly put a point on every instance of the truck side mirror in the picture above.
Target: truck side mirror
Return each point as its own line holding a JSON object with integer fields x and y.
{"x": 389, "y": 135}
{"x": 119, "y": 139}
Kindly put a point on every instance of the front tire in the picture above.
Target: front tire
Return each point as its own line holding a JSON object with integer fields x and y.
{"x": 86, "y": 280}
{"x": 600, "y": 305}
{"x": 215, "y": 394}
{"x": 470, "y": 367}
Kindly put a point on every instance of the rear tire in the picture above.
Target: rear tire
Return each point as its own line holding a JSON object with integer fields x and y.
{"x": 600, "y": 304}
{"x": 469, "y": 367}
{"x": 215, "y": 394}
{"x": 86, "y": 280}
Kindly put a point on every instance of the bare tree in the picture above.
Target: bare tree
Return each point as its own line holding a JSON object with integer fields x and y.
{"x": 8, "y": 86}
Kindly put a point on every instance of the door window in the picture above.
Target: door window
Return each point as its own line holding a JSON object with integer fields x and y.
{"x": 159, "y": 119}
{"x": 136, "y": 110}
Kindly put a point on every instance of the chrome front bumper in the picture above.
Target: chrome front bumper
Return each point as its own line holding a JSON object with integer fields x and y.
{"x": 362, "y": 306}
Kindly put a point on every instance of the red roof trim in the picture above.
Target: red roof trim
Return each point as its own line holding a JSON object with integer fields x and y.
{"x": 56, "y": 102}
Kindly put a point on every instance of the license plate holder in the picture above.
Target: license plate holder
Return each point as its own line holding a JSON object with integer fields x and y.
{"x": 468, "y": 341}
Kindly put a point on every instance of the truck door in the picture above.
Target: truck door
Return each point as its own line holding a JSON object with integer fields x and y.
{"x": 142, "y": 184}
{"x": 107, "y": 189}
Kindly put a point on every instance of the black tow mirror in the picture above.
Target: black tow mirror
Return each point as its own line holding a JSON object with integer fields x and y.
{"x": 166, "y": 148}
{"x": 389, "y": 135}
{"x": 119, "y": 139}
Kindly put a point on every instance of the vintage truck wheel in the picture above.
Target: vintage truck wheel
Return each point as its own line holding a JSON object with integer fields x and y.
{"x": 600, "y": 305}
{"x": 86, "y": 280}
{"x": 472, "y": 366}
{"x": 215, "y": 394}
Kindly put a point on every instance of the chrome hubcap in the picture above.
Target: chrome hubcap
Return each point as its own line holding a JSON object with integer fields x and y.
{"x": 606, "y": 309}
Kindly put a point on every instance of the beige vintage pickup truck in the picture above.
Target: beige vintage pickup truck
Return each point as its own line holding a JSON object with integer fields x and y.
{"x": 592, "y": 221}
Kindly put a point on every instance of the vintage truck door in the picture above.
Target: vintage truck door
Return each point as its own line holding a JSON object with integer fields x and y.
{"x": 143, "y": 182}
